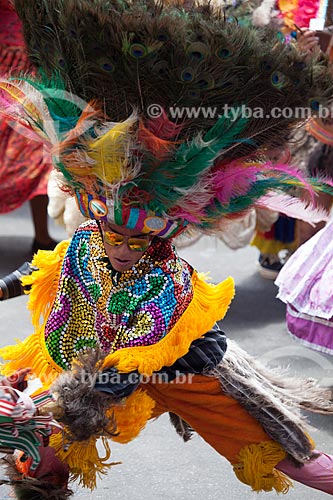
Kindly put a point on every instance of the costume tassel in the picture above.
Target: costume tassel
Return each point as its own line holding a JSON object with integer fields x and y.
{"x": 83, "y": 459}
{"x": 256, "y": 467}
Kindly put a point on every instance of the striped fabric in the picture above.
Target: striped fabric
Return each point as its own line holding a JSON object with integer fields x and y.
{"x": 26, "y": 441}
{"x": 204, "y": 355}
{"x": 20, "y": 428}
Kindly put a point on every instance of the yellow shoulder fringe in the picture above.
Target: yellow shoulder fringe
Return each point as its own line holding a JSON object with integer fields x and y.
{"x": 209, "y": 304}
{"x": 256, "y": 467}
{"x": 32, "y": 351}
{"x": 44, "y": 281}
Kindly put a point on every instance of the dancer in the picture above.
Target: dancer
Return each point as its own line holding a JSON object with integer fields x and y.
{"x": 118, "y": 292}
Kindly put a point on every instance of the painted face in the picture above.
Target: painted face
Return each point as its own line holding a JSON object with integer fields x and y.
{"x": 124, "y": 246}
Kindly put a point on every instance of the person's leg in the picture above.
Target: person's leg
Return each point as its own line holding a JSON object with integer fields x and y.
{"x": 217, "y": 417}
{"x": 316, "y": 472}
{"x": 43, "y": 240}
{"x": 223, "y": 423}
{"x": 281, "y": 236}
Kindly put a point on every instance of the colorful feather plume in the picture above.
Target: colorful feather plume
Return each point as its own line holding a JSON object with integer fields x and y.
{"x": 106, "y": 66}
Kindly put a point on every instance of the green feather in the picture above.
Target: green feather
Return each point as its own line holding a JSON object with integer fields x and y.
{"x": 168, "y": 182}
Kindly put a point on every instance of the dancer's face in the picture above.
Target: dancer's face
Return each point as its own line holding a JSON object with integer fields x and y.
{"x": 123, "y": 246}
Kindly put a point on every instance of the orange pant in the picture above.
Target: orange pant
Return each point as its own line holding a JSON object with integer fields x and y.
{"x": 218, "y": 418}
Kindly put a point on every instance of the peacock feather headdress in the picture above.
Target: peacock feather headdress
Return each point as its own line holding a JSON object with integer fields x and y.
{"x": 157, "y": 116}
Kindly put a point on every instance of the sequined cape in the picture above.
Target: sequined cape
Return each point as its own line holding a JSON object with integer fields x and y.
{"x": 144, "y": 318}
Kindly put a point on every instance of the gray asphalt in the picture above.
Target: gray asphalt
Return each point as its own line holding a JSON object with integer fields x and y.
{"x": 158, "y": 465}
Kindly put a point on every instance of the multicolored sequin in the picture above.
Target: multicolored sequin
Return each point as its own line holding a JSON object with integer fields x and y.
{"x": 96, "y": 305}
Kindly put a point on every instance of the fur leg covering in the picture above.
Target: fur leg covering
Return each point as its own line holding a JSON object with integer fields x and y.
{"x": 273, "y": 399}
{"x": 84, "y": 408}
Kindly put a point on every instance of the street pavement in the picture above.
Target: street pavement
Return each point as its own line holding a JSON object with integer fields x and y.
{"x": 158, "y": 465}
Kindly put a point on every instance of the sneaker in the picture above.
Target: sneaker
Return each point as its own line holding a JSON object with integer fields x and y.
{"x": 269, "y": 266}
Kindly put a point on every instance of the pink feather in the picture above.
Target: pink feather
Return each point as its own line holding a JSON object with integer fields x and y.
{"x": 293, "y": 172}
{"x": 194, "y": 216}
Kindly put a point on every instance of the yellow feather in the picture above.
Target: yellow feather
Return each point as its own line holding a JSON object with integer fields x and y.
{"x": 110, "y": 152}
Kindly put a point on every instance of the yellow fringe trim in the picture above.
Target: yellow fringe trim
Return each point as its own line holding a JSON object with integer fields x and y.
{"x": 209, "y": 304}
{"x": 256, "y": 467}
{"x": 83, "y": 459}
{"x": 44, "y": 281}
{"x": 32, "y": 352}
{"x": 132, "y": 417}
